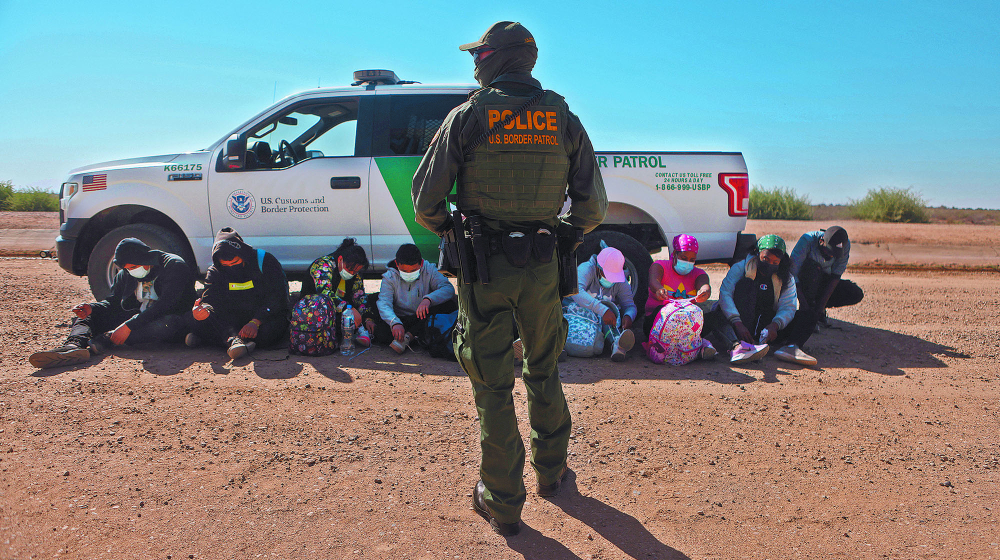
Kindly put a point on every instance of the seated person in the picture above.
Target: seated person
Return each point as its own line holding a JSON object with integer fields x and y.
{"x": 604, "y": 291}
{"x": 676, "y": 278}
{"x": 412, "y": 290}
{"x": 757, "y": 306}
{"x": 338, "y": 277}
{"x": 148, "y": 298}
{"x": 819, "y": 259}
{"x": 245, "y": 302}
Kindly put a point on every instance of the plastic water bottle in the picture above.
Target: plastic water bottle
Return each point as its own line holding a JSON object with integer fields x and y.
{"x": 347, "y": 343}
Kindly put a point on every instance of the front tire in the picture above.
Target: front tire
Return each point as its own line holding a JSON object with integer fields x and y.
{"x": 637, "y": 260}
{"x": 101, "y": 269}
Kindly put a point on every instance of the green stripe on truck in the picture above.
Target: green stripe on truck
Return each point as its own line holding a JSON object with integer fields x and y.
{"x": 397, "y": 172}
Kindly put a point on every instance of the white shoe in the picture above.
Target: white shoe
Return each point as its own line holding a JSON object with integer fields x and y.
{"x": 707, "y": 351}
{"x": 795, "y": 355}
{"x": 743, "y": 353}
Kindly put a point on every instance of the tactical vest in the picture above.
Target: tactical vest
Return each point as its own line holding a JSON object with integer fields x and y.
{"x": 520, "y": 172}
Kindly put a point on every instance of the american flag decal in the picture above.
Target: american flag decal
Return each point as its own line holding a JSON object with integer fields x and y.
{"x": 94, "y": 183}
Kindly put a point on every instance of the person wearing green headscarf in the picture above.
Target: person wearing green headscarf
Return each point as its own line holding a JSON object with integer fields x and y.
{"x": 757, "y": 304}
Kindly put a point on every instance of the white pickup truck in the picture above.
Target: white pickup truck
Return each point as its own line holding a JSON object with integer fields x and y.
{"x": 330, "y": 163}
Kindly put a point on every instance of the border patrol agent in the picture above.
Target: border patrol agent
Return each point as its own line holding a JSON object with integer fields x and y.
{"x": 516, "y": 151}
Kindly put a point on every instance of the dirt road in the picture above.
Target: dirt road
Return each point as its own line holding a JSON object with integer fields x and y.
{"x": 890, "y": 450}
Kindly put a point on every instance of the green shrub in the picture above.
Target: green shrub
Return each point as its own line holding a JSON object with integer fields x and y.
{"x": 889, "y": 204}
{"x": 778, "y": 204}
{"x": 6, "y": 191}
{"x": 33, "y": 199}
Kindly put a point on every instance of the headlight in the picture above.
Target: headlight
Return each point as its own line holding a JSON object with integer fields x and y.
{"x": 65, "y": 193}
{"x": 69, "y": 189}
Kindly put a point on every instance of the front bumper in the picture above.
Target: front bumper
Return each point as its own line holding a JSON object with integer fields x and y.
{"x": 69, "y": 233}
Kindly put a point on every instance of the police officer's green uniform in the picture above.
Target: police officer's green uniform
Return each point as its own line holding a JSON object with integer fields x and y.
{"x": 517, "y": 179}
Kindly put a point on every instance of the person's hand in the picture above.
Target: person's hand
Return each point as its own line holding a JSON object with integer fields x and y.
{"x": 357, "y": 316}
{"x": 423, "y": 309}
{"x": 120, "y": 335}
{"x": 626, "y": 323}
{"x": 370, "y": 325}
{"x": 83, "y": 310}
{"x": 662, "y": 294}
{"x": 398, "y": 332}
{"x": 249, "y": 330}
{"x": 703, "y": 293}
{"x": 199, "y": 311}
{"x": 609, "y": 318}
{"x": 772, "y": 331}
{"x": 744, "y": 333}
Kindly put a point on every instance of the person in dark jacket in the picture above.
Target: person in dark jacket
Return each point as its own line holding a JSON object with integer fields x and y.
{"x": 149, "y": 296}
{"x": 245, "y": 303}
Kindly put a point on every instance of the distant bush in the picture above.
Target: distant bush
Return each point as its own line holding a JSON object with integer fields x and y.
{"x": 778, "y": 204}
{"x": 890, "y": 204}
{"x": 6, "y": 191}
{"x": 33, "y": 199}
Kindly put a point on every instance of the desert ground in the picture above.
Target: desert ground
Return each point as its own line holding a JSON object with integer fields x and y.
{"x": 890, "y": 448}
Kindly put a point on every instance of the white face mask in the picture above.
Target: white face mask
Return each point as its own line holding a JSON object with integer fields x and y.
{"x": 140, "y": 272}
{"x": 409, "y": 277}
{"x": 346, "y": 275}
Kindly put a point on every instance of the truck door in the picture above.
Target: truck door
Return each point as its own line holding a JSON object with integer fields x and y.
{"x": 302, "y": 187}
{"x": 405, "y": 124}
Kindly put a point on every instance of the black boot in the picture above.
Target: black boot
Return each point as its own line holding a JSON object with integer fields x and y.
{"x": 66, "y": 355}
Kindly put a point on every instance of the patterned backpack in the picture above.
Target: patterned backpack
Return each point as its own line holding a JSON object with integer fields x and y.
{"x": 312, "y": 331}
{"x": 584, "y": 338}
{"x": 676, "y": 334}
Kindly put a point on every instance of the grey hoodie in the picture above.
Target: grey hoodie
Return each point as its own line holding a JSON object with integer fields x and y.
{"x": 397, "y": 297}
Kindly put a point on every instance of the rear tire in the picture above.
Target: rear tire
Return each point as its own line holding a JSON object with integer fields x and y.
{"x": 637, "y": 260}
{"x": 101, "y": 269}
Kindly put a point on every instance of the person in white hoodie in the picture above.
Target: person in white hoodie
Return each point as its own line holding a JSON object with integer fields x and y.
{"x": 412, "y": 290}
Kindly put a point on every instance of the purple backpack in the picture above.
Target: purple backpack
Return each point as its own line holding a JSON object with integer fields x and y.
{"x": 313, "y": 328}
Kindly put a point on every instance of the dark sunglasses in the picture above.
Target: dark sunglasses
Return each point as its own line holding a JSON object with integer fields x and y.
{"x": 481, "y": 53}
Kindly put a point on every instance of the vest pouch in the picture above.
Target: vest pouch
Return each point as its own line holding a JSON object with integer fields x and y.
{"x": 543, "y": 244}
{"x": 517, "y": 247}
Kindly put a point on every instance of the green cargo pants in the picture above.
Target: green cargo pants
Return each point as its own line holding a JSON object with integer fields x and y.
{"x": 528, "y": 296}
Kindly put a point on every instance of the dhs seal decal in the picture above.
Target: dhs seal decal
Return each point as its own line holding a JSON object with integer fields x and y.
{"x": 241, "y": 204}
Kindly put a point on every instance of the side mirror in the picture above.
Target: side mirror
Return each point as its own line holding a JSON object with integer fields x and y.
{"x": 235, "y": 156}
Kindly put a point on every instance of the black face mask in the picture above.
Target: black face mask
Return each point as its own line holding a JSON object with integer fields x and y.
{"x": 767, "y": 269}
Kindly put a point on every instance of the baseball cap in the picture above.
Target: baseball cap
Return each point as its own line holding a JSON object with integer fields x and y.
{"x": 502, "y": 34}
{"x": 612, "y": 262}
{"x": 835, "y": 237}
{"x": 771, "y": 242}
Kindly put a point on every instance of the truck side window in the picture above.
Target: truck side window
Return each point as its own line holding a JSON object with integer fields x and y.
{"x": 326, "y": 128}
{"x": 414, "y": 119}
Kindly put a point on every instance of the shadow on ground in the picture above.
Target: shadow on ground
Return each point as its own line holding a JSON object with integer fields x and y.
{"x": 846, "y": 345}
{"x": 620, "y": 529}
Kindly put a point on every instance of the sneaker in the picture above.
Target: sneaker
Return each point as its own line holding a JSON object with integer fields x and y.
{"x": 707, "y": 351}
{"x": 518, "y": 347}
{"x": 238, "y": 348}
{"x": 192, "y": 340}
{"x": 65, "y": 355}
{"x": 743, "y": 352}
{"x": 100, "y": 344}
{"x": 401, "y": 347}
{"x": 363, "y": 338}
{"x": 795, "y": 355}
{"x": 627, "y": 340}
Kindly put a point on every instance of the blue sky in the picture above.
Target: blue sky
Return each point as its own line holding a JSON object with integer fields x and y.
{"x": 828, "y": 98}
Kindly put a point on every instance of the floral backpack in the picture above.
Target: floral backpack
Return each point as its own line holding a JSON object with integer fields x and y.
{"x": 313, "y": 328}
{"x": 583, "y": 336}
{"x": 676, "y": 334}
